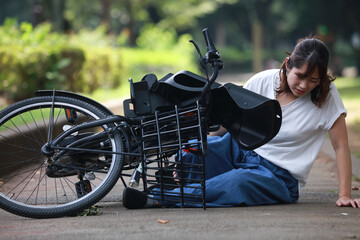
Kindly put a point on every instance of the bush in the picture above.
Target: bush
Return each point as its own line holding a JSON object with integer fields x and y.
{"x": 36, "y": 58}
{"x": 160, "y": 52}
{"x": 102, "y": 69}
{"x": 32, "y": 59}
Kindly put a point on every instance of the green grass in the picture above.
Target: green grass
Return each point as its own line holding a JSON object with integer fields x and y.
{"x": 39, "y": 116}
{"x": 104, "y": 95}
{"x": 349, "y": 89}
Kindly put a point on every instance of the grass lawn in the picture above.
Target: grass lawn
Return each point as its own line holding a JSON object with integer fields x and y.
{"x": 104, "y": 95}
{"x": 349, "y": 89}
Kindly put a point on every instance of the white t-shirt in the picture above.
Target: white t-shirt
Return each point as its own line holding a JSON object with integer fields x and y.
{"x": 303, "y": 129}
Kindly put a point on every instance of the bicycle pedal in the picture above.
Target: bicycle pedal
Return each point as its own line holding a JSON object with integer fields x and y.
{"x": 82, "y": 188}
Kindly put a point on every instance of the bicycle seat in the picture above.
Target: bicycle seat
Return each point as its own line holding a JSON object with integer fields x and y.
{"x": 149, "y": 95}
{"x": 250, "y": 118}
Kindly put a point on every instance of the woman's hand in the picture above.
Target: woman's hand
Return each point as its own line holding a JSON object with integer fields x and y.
{"x": 348, "y": 202}
{"x": 339, "y": 140}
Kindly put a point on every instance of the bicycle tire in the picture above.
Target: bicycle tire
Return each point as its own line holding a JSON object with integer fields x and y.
{"x": 24, "y": 171}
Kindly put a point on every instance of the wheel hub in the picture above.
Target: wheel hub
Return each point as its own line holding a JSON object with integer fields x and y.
{"x": 47, "y": 150}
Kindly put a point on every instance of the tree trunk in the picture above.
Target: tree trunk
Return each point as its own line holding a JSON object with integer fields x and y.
{"x": 57, "y": 14}
{"x": 131, "y": 24}
{"x": 256, "y": 35}
{"x": 105, "y": 12}
{"x": 37, "y": 16}
{"x": 257, "y": 39}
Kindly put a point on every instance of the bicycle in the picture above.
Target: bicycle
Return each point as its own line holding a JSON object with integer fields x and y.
{"x": 62, "y": 152}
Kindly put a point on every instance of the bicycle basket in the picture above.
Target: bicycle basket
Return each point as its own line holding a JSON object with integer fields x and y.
{"x": 167, "y": 176}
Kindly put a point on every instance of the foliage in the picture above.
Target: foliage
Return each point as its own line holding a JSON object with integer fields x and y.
{"x": 156, "y": 38}
{"x": 37, "y": 58}
{"x": 282, "y": 21}
{"x": 160, "y": 52}
{"x": 91, "y": 211}
{"x": 30, "y": 59}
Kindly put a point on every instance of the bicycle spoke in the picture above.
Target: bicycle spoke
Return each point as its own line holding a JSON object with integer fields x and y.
{"x": 63, "y": 188}
{"x": 58, "y": 115}
{"x": 15, "y": 155}
{"x": 32, "y": 133}
{"x": 19, "y": 146}
{"x": 56, "y": 193}
{"x": 43, "y": 118}
{"x": 21, "y": 133}
{"x": 38, "y": 185}
{"x": 37, "y": 127}
{"x": 36, "y": 188}
{"x": 34, "y": 172}
{"x": 10, "y": 166}
{"x": 32, "y": 183}
{"x": 31, "y": 171}
{"x": 18, "y": 173}
{"x": 30, "y": 149}
{"x": 70, "y": 187}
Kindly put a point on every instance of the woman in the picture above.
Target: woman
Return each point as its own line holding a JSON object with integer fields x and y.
{"x": 274, "y": 173}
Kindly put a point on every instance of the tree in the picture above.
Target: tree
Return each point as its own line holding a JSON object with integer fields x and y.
{"x": 12, "y": 9}
{"x": 105, "y": 12}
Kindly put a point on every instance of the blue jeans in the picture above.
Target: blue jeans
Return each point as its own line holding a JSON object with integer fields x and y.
{"x": 237, "y": 177}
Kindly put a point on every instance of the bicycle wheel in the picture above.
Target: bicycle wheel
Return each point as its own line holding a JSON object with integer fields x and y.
{"x": 34, "y": 185}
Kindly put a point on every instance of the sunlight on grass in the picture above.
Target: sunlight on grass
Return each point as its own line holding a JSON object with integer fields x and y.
{"x": 349, "y": 89}
{"x": 104, "y": 95}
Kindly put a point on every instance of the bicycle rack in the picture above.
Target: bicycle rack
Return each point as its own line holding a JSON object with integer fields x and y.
{"x": 165, "y": 137}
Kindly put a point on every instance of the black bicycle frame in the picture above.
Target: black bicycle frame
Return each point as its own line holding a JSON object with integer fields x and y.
{"x": 50, "y": 146}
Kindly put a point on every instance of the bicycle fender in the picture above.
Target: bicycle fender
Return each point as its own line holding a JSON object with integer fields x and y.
{"x": 73, "y": 95}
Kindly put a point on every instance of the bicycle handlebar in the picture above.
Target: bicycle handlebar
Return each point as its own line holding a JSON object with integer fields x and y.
{"x": 209, "y": 42}
{"x": 213, "y": 58}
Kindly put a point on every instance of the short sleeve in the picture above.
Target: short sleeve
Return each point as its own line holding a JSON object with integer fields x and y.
{"x": 250, "y": 85}
{"x": 263, "y": 83}
{"x": 333, "y": 107}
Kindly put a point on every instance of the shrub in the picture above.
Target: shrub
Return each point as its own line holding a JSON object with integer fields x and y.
{"x": 36, "y": 58}
{"x": 32, "y": 59}
{"x": 160, "y": 52}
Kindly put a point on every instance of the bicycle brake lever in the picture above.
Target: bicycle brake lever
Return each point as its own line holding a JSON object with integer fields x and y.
{"x": 201, "y": 58}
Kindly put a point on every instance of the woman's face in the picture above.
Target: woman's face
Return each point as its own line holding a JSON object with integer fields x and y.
{"x": 299, "y": 85}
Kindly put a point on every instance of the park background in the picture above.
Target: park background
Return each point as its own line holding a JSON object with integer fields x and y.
{"x": 93, "y": 47}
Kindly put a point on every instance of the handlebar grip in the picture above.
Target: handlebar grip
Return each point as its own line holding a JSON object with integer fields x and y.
{"x": 209, "y": 42}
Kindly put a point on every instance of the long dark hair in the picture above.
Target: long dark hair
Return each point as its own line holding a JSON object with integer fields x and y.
{"x": 314, "y": 52}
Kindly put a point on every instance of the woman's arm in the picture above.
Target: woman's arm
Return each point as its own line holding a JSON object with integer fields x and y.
{"x": 339, "y": 141}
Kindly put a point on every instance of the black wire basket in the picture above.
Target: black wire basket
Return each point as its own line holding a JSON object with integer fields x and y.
{"x": 167, "y": 174}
